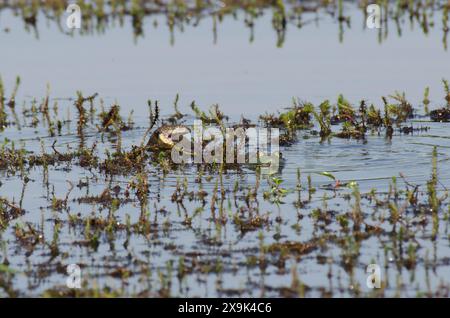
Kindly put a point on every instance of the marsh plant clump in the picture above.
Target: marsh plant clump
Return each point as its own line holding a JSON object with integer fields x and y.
{"x": 96, "y": 188}
{"x": 443, "y": 114}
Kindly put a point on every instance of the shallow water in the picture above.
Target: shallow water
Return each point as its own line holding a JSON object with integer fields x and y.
{"x": 244, "y": 78}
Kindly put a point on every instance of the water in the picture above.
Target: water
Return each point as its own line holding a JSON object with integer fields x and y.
{"x": 246, "y": 78}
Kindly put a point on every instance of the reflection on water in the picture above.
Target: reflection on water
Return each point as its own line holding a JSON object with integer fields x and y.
{"x": 99, "y": 16}
{"x": 244, "y": 78}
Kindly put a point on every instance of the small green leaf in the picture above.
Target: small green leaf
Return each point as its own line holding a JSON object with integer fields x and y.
{"x": 352, "y": 185}
{"x": 6, "y": 269}
{"x": 327, "y": 174}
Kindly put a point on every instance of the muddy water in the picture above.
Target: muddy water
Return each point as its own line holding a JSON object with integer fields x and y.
{"x": 245, "y": 78}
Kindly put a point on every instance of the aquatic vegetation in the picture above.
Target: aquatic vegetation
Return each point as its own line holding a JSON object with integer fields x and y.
{"x": 403, "y": 110}
{"x": 8, "y": 212}
{"x": 447, "y": 91}
{"x": 297, "y": 117}
{"x": 112, "y": 118}
{"x": 82, "y": 182}
{"x": 426, "y": 100}
{"x": 323, "y": 118}
{"x": 276, "y": 192}
{"x": 108, "y": 188}
{"x": 443, "y": 114}
{"x": 374, "y": 117}
{"x": 292, "y": 247}
{"x": 352, "y": 127}
{"x": 346, "y": 112}
{"x": 11, "y": 103}
{"x": 2, "y": 106}
{"x": 215, "y": 116}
